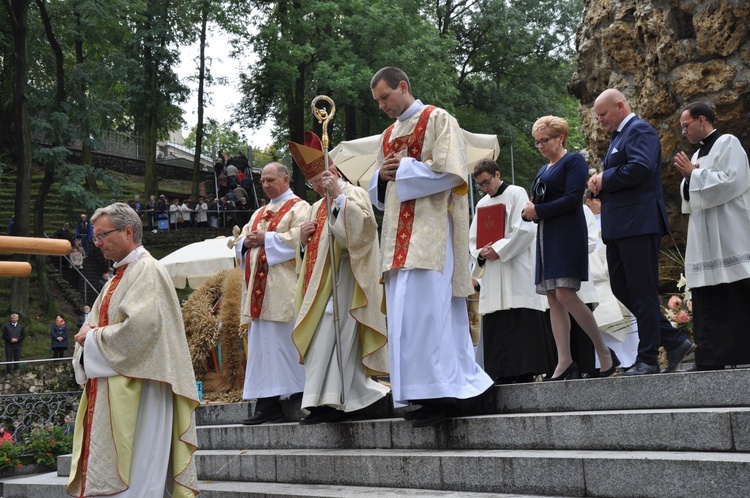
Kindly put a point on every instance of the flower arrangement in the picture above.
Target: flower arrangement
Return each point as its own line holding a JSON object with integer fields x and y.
{"x": 47, "y": 443}
{"x": 679, "y": 308}
{"x": 9, "y": 456}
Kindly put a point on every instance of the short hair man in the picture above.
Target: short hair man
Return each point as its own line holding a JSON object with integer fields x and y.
{"x": 516, "y": 336}
{"x": 13, "y": 336}
{"x": 267, "y": 249}
{"x": 421, "y": 184}
{"x": 716, "y": 193}
{"x": 633, "y": 222}
{"x": 135, "y": 428}
{"x": 362, "y": 329}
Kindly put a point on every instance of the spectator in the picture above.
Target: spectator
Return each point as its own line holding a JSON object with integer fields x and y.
{"x": 5, "y": 436}
{"x": 83, "y": 229}
{"x": 84, "y": 317}
{"x": 151, "y": 212}
{"x": 185, "y": 211}
{"x": 240, "y": 193}
{"x": 64, "y": 233}
{"x": 103, "y": 281}
{"x": 76, "y": 265}
{"x": 111, "y": 272}
{"x": 175, "y": 216}
{"x": 12, "y": 225}
{"x": 137, "y": 206}
{"x": 13, "y": 335}
{"x": 59, "y": 337}
{"x": 201, "y": 215}
{"x": 17, "y": 432}
{"x": 69, "y": 425}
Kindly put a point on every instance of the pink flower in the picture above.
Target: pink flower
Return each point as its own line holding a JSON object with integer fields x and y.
{"x": 674, "y": 303}
{"x": 682, "y": 317}
{"x": 690, "y": 306}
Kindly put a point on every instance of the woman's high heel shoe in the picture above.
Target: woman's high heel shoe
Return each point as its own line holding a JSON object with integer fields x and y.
{"x": 611, "y": 370}
{"x": 570, "y": 373}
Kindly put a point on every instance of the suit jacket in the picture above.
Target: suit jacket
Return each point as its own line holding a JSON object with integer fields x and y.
{"x": 8, "y": 333}
{"x": 632, "y": 201}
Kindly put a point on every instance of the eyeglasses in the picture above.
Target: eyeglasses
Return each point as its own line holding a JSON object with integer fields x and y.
{"x": 312, "y": 184}
{"x": 543, "y": 141}
{"x": 103, "y": 235}
{"x": 485, "y": 183}
{"x": 685, "y": 126}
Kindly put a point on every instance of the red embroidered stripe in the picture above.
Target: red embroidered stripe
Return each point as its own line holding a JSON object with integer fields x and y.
{"x": 321, "y": 217}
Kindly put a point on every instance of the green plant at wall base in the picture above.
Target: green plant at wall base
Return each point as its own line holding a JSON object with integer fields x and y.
{"x": 45, "y": 446}
{"x": 9, "y": 456}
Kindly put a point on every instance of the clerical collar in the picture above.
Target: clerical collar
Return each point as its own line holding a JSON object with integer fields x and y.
{"x": 502, "y": 188}
{"x": 134, "y": 254}
{"x": 283, "y": 197}
{"x": 710, "y": 138}
{"x": 625, "y": 121}
{"x": 411, "y": 110}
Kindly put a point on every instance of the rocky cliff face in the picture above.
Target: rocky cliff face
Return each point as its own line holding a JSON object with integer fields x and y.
{"x": 664, "y": 55}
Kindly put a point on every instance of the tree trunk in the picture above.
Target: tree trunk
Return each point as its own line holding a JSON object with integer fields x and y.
{"x": 199, "y": 126}
{"x": 19, "y": 10}
{"x": 86, "y": 132}
{"x": 296, "y": 115}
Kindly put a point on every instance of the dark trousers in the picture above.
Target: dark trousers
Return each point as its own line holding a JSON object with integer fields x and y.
{"x": 634, "y": 277}
{"x": 58, "y": 352}
{"x": 12, "y": 353}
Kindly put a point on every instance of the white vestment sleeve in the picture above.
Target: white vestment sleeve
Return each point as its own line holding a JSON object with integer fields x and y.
{"x": 372, "y": 189}
{"x": 238, "y": 252}
{"x": 414, "y": 180}
{"x": 94, "y": 361}
{"x": 276, "y": 250}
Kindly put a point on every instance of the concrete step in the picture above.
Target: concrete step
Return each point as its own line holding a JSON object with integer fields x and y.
{"x": 677, "y": 390}
{"x": 698, "y": 429}
{"x": 52, "y": 486}
{"x": 533, "y": 472}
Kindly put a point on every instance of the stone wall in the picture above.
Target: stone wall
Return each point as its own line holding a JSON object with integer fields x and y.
{"x": 664, "y": 55}
{"x": 40, "y": 377}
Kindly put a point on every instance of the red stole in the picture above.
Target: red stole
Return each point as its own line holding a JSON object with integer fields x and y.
{"x": 412, "y": 143}
{"x": 261, "y": 270}
{"x": 92, "y": 384}
{"x": 321, "y": 218}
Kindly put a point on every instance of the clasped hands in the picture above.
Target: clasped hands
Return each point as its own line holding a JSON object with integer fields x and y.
{"x": 255, "y": 239}
{"x": 683, "y": 164}
{"x": 487, "y": 252}
{"x": 80, "y": 337}
{"x": 390, "y": 166}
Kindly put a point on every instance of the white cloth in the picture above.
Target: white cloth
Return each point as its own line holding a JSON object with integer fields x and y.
{"x": 587, "y": 292}
{"x": 718, "y": 242}
{"x": 153, "y": 433}
{"x": 273, "y": 367}
{"x": 508, "y": 282}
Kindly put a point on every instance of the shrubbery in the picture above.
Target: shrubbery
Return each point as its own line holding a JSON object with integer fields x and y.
{"x": 40, "y": 446}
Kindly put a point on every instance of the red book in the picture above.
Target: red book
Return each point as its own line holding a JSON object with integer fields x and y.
{"x": 490, "y": 224}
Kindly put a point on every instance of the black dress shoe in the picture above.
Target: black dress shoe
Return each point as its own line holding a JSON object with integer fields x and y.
{"x": 611, "y": 370}
{"x": 322, "y": 414}
{"x": 570, "y": 373}
{"x": 412, "y": 414}
{"x": 260, "y": 417}
{"x": 431, "y": 415}
{"x": 675, "y": 357}
{"x": 640, "y": 368}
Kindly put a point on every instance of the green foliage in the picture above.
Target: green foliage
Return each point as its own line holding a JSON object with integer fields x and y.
{"x": 217, "y": 137}
{"x": 9, "y": 456}
{"x": 45, "y": 445}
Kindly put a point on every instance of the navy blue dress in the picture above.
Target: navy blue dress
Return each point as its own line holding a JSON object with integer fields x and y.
{"x": 562, "y": 238}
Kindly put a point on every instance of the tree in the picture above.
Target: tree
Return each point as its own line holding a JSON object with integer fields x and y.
{"x": 217, "y": 137}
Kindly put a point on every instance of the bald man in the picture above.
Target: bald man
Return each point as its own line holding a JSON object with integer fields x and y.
{"x": 633, "y": 222}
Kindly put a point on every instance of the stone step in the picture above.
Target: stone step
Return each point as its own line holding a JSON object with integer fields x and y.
{"x": 533, "y": 472}
{"x": 696, "y": 429}
{"x": 53, "y": 486}
{"x": 677, "y": 390}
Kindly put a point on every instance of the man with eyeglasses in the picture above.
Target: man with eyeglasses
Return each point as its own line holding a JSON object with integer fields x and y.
{"x": 361, "y": 333}
{"x": 716, "y": 193}
{"x": 634, "y": 220}
{"x": 268, "y": 250}
{"x": 135, "y": 427}
{"x": 516, "y": 336}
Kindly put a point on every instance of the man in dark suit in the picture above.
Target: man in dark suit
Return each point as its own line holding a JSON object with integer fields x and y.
{"x": 633, "y": 222}
{"x": 13, "y": 335}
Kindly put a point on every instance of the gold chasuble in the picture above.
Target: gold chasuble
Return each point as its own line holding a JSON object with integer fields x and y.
{"x": 415, "y": 232}
{"x": 314, "y": 286}
{"x": 141, "y": 334}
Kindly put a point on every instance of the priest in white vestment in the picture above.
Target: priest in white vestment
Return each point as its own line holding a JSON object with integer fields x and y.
{"x": 716, "y": 193}
{"x": 334, "y": 392}
{"x": 422, "y": 185}
{"x": 134, "y": 434}
{"x": 517, "y": 339}
{"x": 268, "y": 249}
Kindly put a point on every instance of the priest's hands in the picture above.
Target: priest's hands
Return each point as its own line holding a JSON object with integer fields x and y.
{"x": 330, "y": 184}
{"x": 683, "y": 164}
{"x": 306, "y": 231}
{"x": 255, "y": 239}
{"x": 390, "y": 166}
{"x": 80, "y": 337}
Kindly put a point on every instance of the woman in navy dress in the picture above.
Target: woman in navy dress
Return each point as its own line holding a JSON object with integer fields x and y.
{"x": 562, "y": 251}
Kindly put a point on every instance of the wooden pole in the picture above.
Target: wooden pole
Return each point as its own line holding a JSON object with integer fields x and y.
{"x": 32, "y": 245}
{"x": 14, "y": 269}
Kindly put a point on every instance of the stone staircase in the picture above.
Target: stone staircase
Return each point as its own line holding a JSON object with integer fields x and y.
{"x": 678, "y": 435}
